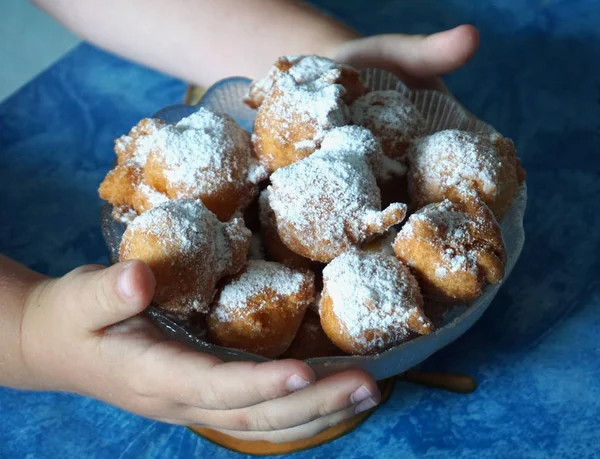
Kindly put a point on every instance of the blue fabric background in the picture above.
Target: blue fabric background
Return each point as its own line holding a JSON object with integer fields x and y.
{"x": 535, "y": 352}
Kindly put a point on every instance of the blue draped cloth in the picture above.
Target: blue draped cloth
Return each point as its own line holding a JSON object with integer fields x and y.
{"x": 535, "y": 352}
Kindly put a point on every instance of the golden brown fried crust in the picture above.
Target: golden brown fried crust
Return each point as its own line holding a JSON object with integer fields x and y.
{"x": 376, "y": 323}
{"x": 507, "y": 178}
{"x": 264, "y": 323}
{"x": 339, "y": 335}
{"x": 179, "y": 242}
{"x": 453, "y": 262}
{"x": 275, "y": 138}
{"x": 119, "y": 185}
{"x": 347, "y": 76}
{"x": 231, "y": 191}
{"x": 311, "y": 341}
{"x": 274, "y": 246}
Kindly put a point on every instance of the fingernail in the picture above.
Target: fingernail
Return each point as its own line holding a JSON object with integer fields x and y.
{"x": 360, "y": 394}
{"x": 295, "y": 383}
{"x": 365, "y": 405}
{"x": 124, "y": 283}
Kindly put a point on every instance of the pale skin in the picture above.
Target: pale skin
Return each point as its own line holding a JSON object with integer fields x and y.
{"x": 83, "y": 332}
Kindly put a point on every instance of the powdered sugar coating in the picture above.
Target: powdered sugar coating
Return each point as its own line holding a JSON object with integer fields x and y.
{"x": 304, "y": 69}
{"x": 394, "y": 120}
{"x": 454, "y": 248}
{"x": 188, "y": 249}
{"x": 329, "y": 202}
{"x": 205, "y": 153}
{"x": 261, "y": 309}
{"x": 452, "y": 163}
{"x": 375, "y": 300}
{"x": 293, "y": 119}
{"x": 260, "y": 277}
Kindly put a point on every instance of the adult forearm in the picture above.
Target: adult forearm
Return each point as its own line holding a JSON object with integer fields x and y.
{"x": 202, "y": 41}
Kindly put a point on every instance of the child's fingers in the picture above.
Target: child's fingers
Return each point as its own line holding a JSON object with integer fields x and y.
{"x": 99, "y": 297}
{"x": 192, "y": 378}
{"x": 300, "y": 432}
{"x": 354, "y": 390}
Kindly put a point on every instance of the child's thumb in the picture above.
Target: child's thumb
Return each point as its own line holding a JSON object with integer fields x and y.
{"x": 104, "y": 296}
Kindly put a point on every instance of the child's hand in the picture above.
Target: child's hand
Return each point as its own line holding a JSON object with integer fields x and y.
{"x": 419, "y": 60}
{"x": 82, "y": 333}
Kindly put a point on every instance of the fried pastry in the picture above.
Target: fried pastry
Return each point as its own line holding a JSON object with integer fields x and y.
{"x": 188, "y": 249}
{"x": 370, "y": 302}
{"x": 453, "y": 164}
{"x": 261, "y": 309}
{"x": 454, "y": 249}
{"x": 392, "y": 118}
{"x": 329, "y": 203}
{"x": 306, "y": 70}
{"x": 293, "y": 119}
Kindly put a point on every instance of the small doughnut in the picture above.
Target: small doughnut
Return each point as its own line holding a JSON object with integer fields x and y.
{"x": 311, "y": 341}
{"x": 293, "y": 119}
{"x": 205, "y": 156}
{"x": 451, "y": 164}
{"x": 329, "y": 202}
{"x": 393, "y": 119}
{"x": 261, "y": 309}
{"x": 306, "y": 70}
{"x": 274, "y": 246}
{"x": 370, "y": 302}
{"x": 454, "y": 249}
{"x": 188, "y": 250}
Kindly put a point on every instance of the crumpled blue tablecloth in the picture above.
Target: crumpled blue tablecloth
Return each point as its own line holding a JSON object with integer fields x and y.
{"x": 535, "y": 352}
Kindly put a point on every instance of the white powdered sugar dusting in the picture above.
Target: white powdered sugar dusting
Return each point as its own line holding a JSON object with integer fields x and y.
{"x": 153, "y": 196}
{"x": 304, "y": 70}
{"x": 453, "y": 229}
{"x": 138, "y": 143}
{"x": 371, "y": 291}
{"x": 391, "y": 116}
{"x": 259, "y": 277}
{"x": 331, "y": 198}
{"x": 354, "y": 140}
{"x": 325, "y": 198}
{"x": 189, "y": 228}
{"x": 454, "y": 158}
{"x": 204, "y": 152}
{"x": 322, "y": 108}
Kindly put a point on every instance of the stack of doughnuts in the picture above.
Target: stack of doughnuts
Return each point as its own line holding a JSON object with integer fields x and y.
{"x": 332, "y": 229}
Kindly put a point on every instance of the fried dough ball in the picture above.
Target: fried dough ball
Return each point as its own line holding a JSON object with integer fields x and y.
{"x": 205, "y": 156}
{"x": 121, "y": 185}
{"x": 293, "y": 119}
{"x": 393, "y": 119}
{"x": 261, "y": 309}
{"x": 274, "y": 246}
{"x": 311, "y": 341}
{"x": 452, "y": 164}
{"x": 370, "y": 302}
{"x": 454, "y": 249}
{"x": 329, "y": 203}
{"x": 188, "y": 249}
{"x": 306, "y": 70}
